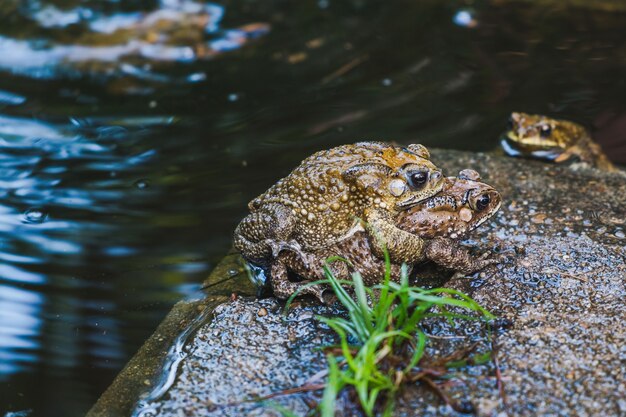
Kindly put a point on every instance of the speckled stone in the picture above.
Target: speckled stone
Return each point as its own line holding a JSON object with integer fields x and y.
{"x": 240, "y": 355}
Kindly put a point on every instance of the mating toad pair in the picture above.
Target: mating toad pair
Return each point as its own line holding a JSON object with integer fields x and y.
{"x": 356, "y": 201}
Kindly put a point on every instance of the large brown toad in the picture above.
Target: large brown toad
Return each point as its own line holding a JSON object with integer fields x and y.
{"x": 555, "y": 140}
{"x": 462, "y": 205}
{"x": 332, "y": 194}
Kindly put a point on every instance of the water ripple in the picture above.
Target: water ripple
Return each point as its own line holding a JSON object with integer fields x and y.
{"x": 180, "y": 31}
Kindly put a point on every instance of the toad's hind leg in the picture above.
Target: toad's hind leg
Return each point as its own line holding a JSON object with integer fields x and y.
{"x": 283, "y": 288}
{"x": 448, "y": 254}
{"x": 262, "y": 235}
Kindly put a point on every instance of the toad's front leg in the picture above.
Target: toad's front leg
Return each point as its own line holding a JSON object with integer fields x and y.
{"x": 402, "y": 246}
{"x": 448, "y": 253}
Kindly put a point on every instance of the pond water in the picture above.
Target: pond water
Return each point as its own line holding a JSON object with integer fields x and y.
{"x": 133, "y": 134}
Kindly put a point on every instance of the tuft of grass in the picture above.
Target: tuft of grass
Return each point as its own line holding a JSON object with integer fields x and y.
{"x": 381, "y": 341}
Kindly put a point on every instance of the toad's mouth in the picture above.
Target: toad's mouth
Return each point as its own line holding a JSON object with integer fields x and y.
{"x": 441, "y": 202}
{"x": 419, "y": 197}
{"x": 411, "y": 202}
{"x": 542, "y": 150}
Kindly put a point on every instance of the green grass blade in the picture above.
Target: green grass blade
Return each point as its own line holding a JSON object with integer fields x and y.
{"x": 333, "y": 387}
{"x": 381, "y": 319}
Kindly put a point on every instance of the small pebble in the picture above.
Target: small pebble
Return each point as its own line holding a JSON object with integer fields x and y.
{"x": 539, "y": 218}
{"x": 620, "y": 234}
{"x": 262, "y": 312}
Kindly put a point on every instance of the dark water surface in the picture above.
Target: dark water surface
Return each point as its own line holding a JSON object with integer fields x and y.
{"x": 133, "y": 134}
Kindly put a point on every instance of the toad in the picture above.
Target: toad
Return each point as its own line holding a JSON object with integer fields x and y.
{"x": 338, "y": 192}
{"x": 556, "y": 140}
{"x": 462, "y": 206}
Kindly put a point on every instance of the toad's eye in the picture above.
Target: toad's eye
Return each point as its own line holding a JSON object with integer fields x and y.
{"x": 483, "y": 202}
{"x": 417, "y": 179}
{"x": 545, "y": 131}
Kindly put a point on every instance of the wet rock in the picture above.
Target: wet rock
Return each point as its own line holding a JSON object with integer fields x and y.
{"x": 562, "y": 289}
{"x": 247, "y": 360}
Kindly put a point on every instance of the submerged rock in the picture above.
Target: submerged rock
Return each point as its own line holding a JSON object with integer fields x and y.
{"x": 563, "y": 289}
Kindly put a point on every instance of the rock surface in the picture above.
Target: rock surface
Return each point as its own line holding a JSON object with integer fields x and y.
{"x": 563, "y": 289}
{"x": 249, "y": 349}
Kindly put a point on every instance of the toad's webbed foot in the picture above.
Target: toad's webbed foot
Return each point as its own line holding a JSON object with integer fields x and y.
{"x": 449, "y": 254}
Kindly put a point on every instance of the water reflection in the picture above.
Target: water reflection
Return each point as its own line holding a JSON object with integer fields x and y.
{"x": 121, "y": 43}
{"x": 465, "y": 18}
{"x": 36, "y": 161}
{"x": 20, "y": 327}
{"x": 12, "y": 99}
{"x": 67, "y": 209}
{"x": 173, "y": 11}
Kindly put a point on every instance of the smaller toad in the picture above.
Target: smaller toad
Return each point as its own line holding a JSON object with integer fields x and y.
{"x": 541, "y": 137}
{"x": 462, "y": 205}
